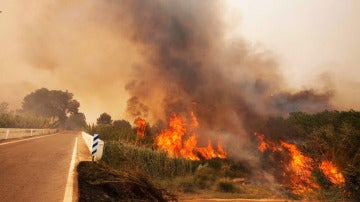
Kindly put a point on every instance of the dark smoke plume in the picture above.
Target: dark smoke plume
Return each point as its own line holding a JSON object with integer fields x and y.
{"x": 174, "y": 56}
{"x": 190, "y": 66}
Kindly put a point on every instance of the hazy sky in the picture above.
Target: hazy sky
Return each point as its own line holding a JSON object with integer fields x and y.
{"x": 316, "y": 44}
{"x": 311, "y": 38}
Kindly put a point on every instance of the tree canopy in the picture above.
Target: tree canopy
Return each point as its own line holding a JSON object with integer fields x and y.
{"x": 75, "y": 121}
{"x": 104, "y": 119}
{"x": 54, "y": 104}
{"x": 122, "y": 124}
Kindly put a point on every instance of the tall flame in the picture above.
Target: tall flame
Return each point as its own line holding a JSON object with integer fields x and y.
{"x": 170, "y": 139}
{"x": 174, "y": 142}
{"x": 300, "y": 168}
{"x": 141, "y": 125}
{"x": 195, "y": 122}
{"x": 331, "y": 172}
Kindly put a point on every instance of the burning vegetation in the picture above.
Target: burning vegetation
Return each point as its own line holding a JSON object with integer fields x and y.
{"x": 202, "y": 85}
{"x": 182, "y": 141}
{"x": 332, "y": 172}
{"x": 293, "y": 165}
{"x": 210, "y": 92}
{"x": 297, "y": 168}
{"x": 141, "y": 125}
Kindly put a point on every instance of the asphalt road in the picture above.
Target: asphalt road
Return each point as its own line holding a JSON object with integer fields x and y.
{"x": 36, "y": 169}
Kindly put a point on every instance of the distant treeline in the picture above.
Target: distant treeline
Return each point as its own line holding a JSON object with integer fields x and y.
{"x": 12, "y": 120}
{"x": 44, "y": 108}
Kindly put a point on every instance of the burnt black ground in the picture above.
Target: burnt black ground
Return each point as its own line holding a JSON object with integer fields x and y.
{"x": 98, "y": 182}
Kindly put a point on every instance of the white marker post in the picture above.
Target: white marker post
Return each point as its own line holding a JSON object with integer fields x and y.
{"x": 95, "y": 146}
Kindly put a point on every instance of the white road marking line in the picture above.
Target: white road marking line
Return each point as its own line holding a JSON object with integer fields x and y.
{"x": 27, "y": 139}
{"x": 68, "y": 196}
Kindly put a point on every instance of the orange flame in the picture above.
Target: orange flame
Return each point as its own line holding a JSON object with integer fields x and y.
{"x": 209, "y": 153}
{"x": 221, "y": 151}
{"x": 264, "y": 145}
{"x": 189, "y": 148}
{"x": 141, "y": 124}
{"x": 331, "y": 172}
{"x": 300, "y": 169}
{"x": 195, "y": 122}
{"x": 172, "y": 140}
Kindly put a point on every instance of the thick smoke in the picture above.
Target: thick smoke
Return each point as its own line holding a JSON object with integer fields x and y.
{"x": 190, "y": 66}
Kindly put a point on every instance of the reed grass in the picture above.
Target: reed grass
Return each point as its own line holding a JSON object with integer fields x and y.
{"x": 153, "y": 162}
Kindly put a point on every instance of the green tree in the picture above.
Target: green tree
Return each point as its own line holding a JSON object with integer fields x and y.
{"x": 54, "y": 104}
{"x": 122, "y": 124}
{"x": 104, "y": 119}
{"x": 76, "y": 121}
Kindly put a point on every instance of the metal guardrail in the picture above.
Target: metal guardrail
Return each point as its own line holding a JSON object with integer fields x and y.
{"x": 89, "y": 143}
{"x": 10, "y": 133}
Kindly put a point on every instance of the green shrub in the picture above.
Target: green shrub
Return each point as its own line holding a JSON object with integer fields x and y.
{"x": 108, "y": 132}
{"x": 330, "y": 194}
{"x": 215, "y": 163}
{"x": 234, "y": 169}
{"x": 205, "y": 177}
{"x": 352, "y": 183}
{"x": 10, "y": 120}
{"x": 187, "y": 187}
{"x": 225, "y": 186}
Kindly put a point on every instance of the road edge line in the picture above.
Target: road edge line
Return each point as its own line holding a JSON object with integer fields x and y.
{"x": 69, "y": 188}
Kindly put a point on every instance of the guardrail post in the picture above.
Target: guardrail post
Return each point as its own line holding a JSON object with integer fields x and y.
{"x": 7, "y": 133}
{"x": 95, "y": 145}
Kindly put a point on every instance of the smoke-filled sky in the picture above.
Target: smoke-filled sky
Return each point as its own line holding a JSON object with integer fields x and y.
{"x": 252, "y": 53}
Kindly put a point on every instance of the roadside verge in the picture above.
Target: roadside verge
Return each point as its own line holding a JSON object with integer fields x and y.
{"x": 80, "y": 153}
